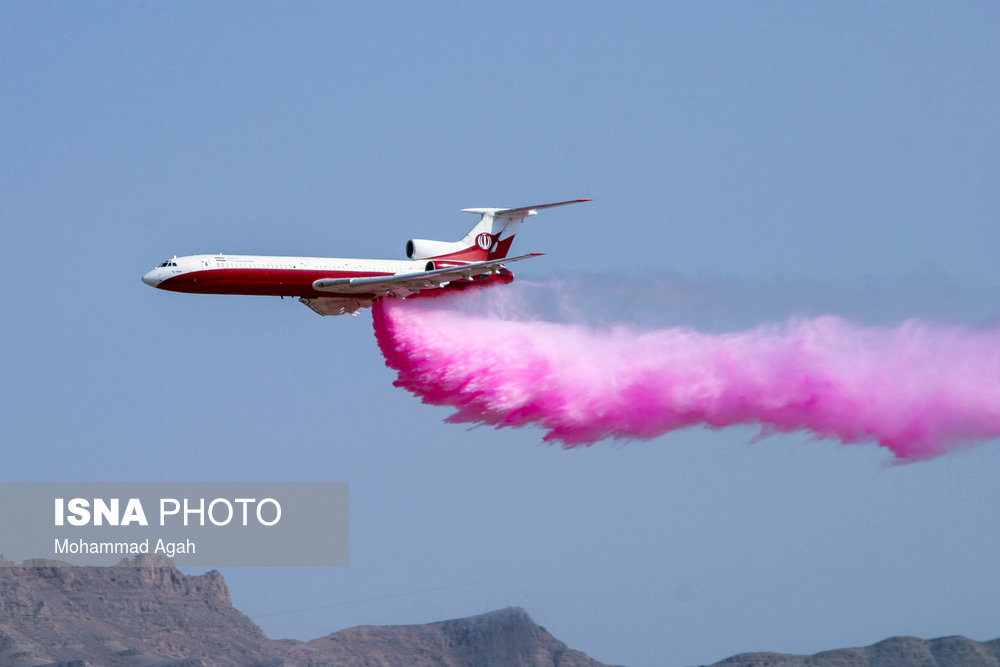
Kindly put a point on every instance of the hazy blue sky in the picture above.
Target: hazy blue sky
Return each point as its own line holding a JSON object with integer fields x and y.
{"x": 747, "y": 161}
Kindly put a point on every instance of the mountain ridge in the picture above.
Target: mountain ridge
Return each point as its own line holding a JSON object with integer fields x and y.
{"x": 903, "y": 651}
{"x": 146, "y": 613}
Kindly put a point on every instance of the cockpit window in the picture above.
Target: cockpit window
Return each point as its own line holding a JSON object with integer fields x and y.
{"x": 167, "y": 263}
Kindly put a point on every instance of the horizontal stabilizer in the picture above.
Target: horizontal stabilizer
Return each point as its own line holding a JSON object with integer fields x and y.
{"x": 527, "y": 210}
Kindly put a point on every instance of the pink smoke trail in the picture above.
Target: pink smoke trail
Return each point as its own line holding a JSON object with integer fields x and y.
{"x": 917, "y": 389}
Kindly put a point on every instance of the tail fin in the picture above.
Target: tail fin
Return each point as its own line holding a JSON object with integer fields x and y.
{"x": 491, "y": 237}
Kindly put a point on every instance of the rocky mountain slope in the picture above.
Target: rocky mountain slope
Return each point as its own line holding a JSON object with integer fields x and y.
{"x": 152, "y": 615}
{"x": 149, "y": 614}
{"x": 893, "y": 652}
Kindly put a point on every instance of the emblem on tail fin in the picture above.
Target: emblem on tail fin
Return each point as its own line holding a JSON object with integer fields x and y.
{"x": 484, "y": 241}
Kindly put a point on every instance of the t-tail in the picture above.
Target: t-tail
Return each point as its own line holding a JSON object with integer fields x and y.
{"x": 491, "y": 238}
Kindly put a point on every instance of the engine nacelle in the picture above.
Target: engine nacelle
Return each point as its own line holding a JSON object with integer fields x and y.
{"x": 424, "y": 249}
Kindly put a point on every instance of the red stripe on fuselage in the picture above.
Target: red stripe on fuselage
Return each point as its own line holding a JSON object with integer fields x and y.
{"x": 263, "y": 282}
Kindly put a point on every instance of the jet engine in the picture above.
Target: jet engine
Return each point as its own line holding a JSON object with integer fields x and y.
{"x": 424, "y": 249}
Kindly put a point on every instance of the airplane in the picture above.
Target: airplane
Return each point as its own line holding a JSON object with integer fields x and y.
{"x": 335, "y": 286}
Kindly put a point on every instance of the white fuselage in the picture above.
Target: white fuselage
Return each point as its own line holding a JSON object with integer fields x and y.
{"x": 267, "y": 275}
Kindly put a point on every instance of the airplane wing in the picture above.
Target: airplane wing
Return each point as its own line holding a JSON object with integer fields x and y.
{"x": 405, "y": 284}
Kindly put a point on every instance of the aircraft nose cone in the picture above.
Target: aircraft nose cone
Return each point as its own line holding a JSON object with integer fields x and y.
{"x": 151, "y": 278}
